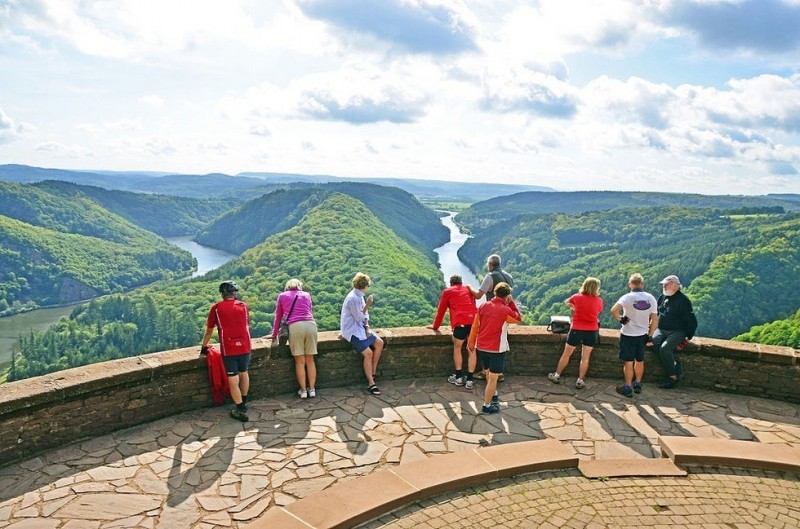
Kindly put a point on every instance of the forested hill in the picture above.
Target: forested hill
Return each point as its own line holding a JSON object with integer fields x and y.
{"x": 168, "y": 216}
{"x": 494, "y": 210}
{"x": 738, "y": 270}
{"x": 279, "y": 210}
{"x": 59, "y": 249}
{"x": 781, "y": 332}
{"x": 324, "y": 250}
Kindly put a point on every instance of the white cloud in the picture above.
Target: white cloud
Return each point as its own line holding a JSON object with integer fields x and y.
{"x": 152, "y": 100}
{"x": 60, "y": 150}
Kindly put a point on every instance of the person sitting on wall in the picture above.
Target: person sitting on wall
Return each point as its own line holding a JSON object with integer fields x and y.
{"x": 354, "y": 323}
{"x": 459, "y": 299}
{"x": 231, "y": 318}
{"x": 676, "y": 326}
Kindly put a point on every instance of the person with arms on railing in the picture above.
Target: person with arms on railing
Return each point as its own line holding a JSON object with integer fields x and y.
{"x": 459, "y": 299}
{"x": 295, "y": 305}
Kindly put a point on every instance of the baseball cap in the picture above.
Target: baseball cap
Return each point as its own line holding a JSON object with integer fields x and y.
{"x": 671, "y": 279}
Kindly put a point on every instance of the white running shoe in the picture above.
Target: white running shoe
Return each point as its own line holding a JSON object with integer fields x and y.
{"x": 554, "y": 377}
{"x": 302, "y": 393}
{"x": 312, "y": 393}
{"x": 469, "y": 384}
{"x": 580, "y": 384}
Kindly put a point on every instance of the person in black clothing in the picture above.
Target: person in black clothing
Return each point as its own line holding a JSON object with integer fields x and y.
{"x": 676, "y": 326}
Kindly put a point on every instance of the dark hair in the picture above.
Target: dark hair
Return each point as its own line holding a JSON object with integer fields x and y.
{"x": 455, "y": 279}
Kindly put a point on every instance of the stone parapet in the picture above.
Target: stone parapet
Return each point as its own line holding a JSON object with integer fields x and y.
{"x": 56, "y": 409}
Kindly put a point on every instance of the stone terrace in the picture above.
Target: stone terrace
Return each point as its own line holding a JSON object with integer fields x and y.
{"x": 203, "y": 469}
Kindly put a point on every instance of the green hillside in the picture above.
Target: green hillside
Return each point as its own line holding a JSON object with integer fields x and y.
{"x": 279, "y": 210}
{"x": 41, "y": 267}
{"x": 782, "y": 332}
{"x": 324, "y": 249}
{"x": 731, "y": 265}
{"x": 492, "y": 211}
{"x": 168, "y": 216}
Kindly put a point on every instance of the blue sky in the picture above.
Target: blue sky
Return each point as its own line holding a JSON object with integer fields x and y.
{"x": 684, "y": 96}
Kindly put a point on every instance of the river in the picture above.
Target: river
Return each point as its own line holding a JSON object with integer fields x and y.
{"x": 208, "y": 259}
{"x": 449, "y": 263}
{"x": 12, "y": 327}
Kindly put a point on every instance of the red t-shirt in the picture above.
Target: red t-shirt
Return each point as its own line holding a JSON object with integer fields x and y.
{"x": 231, "y": 317}
{"x": 587, "y": 310}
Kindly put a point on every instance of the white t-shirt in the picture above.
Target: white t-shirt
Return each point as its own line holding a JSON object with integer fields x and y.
{"x": 637, "y": 305}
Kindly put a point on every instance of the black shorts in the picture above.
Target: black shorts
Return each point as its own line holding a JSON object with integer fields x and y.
{"x": 632, "y": 347}
{"x": 462, "y": 332}
{"x": 494, "y": 362}
{"x": 236, "y": 364}
{"x": 587, "y": 338}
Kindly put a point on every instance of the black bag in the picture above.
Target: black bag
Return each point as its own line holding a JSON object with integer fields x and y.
{"x": 283, "y": 328}
{"x": 559, "y": 324}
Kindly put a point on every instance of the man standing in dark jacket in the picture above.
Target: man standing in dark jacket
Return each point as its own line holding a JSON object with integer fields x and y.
{"x": 676, "y": 326}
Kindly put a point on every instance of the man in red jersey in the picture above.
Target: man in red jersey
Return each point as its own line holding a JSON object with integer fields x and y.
{"x": 460, "y": 300}
{"x": 489, "y": 336}
{"x": 231, "y": 318}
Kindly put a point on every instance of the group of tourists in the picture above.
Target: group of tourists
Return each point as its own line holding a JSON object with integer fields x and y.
{"x": 666, "y": 323}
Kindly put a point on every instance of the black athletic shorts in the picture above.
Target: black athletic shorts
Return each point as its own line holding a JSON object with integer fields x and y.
{"x": 462, "y": 332}
{"x": 236, "y": 364}
{"x": 632, "y": 348}
{"x": 587, "y": 338}
{"x": 494, "y": 362}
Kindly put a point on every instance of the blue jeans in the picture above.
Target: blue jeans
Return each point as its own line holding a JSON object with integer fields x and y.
{"x": 664, "y": 343}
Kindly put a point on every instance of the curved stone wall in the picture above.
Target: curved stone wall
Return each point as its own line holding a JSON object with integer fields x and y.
{"x": 56, "y": 409}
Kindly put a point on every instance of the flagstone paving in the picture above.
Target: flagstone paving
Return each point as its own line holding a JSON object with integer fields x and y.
{"x": 203, "y": 469}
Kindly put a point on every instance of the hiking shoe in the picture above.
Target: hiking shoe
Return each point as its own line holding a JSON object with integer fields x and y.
{"x": 679, "y": 369}
{"x": 625, "y": 391}
{"x": 469, "y": 384}
{"x": 239, "y": 415}
{"x": 302, "y": 393}
{"x": 312, "y": 393}
{"x": 452, "y": 378}
{"x": 637, "y": 387}
{"x": 488, "y": 410}
{"x": 669, "y": 384}
{"x": 580, "y": 384}
{"x": 555, "y": 378}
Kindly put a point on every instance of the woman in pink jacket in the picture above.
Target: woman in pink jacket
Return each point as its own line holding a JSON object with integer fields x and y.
{"x": 296, "y": 304}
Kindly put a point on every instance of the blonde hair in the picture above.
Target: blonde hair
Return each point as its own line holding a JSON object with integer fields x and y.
{"x": 636, "y": 280}
{"x": 591, "y": 286}
{"x": 294, "y": 284}
{"x": 360, "y": 281}
{"x": 502, "y": 290}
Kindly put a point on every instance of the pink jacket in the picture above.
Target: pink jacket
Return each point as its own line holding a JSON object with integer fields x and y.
{"x": 301, "y": 311}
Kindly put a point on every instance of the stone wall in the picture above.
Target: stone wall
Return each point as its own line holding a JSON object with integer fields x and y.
{"x": 56, "y": 409}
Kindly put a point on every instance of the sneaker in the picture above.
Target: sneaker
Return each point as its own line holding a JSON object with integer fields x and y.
{"x": 488, "y": 410}
{"x": 459, "y": 381}
{"x": 670, "y": 383}
{"x": 501, "y": 378}
{"x": 469, "y": 384}
{"x": 312, "y": 393}
{"x": 580, "y": 384}
{"x": 679, "y": 369}
{"x": 625, "y": 391}
{"x": 495, "y": 400}
{"x": 302, "y": 393}
{"x": 239, "y": 415}
{"x": 555, "y": 378}
{"x": 637, "y": 387}
{"x": 452, "y": 378}
{"x": 479, "y": 375}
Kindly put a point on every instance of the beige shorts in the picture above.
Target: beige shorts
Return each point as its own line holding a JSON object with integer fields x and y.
{"x": 303, "y": 338}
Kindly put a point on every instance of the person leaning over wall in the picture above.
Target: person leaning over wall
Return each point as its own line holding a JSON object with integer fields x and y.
{"x": 459, "y": 299}
{"x": 296, "y": 306}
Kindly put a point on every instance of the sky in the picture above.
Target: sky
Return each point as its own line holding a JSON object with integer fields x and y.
{"x": 695, "y": 96}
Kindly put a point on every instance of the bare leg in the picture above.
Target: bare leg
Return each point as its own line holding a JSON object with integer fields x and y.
{"x": 300, "y": 371}
{"x": 565, "y": 356}
{"x": 627, "y": 371}
{"x": 491, "y": 386}
{"x": 472, "y": 360}
{"x": 586, "y": 353}
{"x": 458, "y": 358}
{"x": 368, "y": 370}
{"x": 638, "y": 370}
{"x": 376, "y": 356}
{"x": 233, "y": 385}
{"x": 311, "y": 370}
{"x": 244, "y": 383}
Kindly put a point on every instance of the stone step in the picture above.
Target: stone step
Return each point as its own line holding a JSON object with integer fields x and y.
{"x": 627, "y": 468}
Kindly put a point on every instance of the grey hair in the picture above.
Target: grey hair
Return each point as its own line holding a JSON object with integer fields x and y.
{"x": 494, "y": 260}
{"x": 294, "y": 284}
